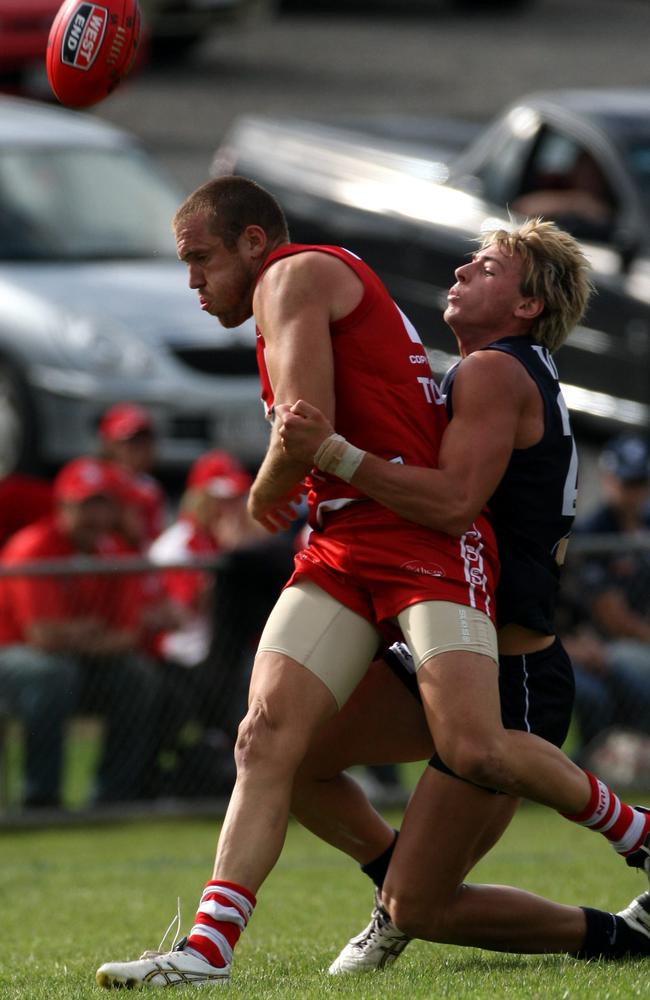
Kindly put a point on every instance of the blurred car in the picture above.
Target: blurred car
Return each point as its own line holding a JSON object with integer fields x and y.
{"x": 169, "y": 26}
{"x": 410, "y": 201}
{"x": 96, "y": 306}
{"x": 24, "y": 27}
{"x": 484, "y": 6}
{"x": 173, "y": 26}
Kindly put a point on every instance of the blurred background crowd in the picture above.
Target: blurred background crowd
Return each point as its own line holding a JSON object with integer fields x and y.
{"x": 133, "y": 585}
{"x": 138, "y": 610}
{"x": 160, "y": 654}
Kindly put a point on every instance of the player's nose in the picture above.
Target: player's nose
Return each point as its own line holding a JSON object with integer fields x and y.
{"x": 195, "y": 276}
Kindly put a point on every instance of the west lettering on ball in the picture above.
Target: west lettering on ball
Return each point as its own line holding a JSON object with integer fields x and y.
{"x": 91, "y": 48}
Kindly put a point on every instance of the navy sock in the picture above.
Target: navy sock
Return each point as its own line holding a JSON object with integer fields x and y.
{"x": 377, "y": 868}
{"x": 609, "y": 936}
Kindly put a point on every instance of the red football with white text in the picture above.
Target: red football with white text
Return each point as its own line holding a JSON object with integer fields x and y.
{"x": 91, "y": 47}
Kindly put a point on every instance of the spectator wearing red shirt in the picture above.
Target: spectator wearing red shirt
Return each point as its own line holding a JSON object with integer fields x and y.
{"x": 128, "y": 440}
{"x": 212, "y": 519}
{"x": 23, "y": 500}
{"x": 69, "y": 641}
{"x": 128, "y": 443}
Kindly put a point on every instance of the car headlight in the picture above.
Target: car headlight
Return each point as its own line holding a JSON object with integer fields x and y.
{"x": 92, "y": 345}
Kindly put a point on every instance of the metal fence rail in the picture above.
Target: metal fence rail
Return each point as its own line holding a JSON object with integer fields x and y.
{"x": 142, "y": 730}
{"x": 135, "y": 727}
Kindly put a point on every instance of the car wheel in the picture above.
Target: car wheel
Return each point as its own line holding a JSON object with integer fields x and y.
{"x": 17, "y": 424}
{"x": 164, "y": 49}
{"x": 480, "y": 5}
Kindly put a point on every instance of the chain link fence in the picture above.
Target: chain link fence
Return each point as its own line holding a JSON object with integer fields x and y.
{"x": 603, "y": 618}
{"x": 150, "y": 725}
{"x": 130, "y": 724}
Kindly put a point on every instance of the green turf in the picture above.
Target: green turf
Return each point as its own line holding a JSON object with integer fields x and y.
{"x": 72, "y": 898}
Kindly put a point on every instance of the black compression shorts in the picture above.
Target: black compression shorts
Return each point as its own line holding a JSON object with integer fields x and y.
{"x": 536, "y": 691}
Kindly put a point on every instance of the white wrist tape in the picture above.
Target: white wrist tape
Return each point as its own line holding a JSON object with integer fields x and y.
{"x": 338, "y": 457}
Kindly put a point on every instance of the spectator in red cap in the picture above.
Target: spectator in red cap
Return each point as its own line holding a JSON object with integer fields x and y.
{"x": 127, "y": 437}
{"x": 69, "y": 641}
{"x": 212, "y": 520}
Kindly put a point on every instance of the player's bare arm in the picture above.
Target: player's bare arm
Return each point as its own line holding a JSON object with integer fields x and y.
{"x": 294, "y": 303}
{"x": 496, "y": 409}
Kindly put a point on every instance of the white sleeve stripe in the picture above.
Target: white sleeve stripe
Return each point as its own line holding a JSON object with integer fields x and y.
{"x": 610, "y": 822}
{"x": 228, "y": 914}
{"x": 201, "y": 930}
{"x": 629, "y": 841}
{"x": 243, "y": 905}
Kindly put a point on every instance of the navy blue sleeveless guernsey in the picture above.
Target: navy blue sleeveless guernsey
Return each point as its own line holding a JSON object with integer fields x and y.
{"x": 534, "y": 504}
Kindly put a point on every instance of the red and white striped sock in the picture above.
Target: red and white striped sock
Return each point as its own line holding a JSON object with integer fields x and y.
{"x": 626, "y": 828}
{"x": 223, "y": 913}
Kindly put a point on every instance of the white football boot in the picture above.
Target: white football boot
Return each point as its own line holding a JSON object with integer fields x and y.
{"x": 641, "y": 857}
{"x": 155, "y": 968}
{"x": 378, "y": 945}
{"x": 175, "y": 967}
{"x": 637, "y": 914}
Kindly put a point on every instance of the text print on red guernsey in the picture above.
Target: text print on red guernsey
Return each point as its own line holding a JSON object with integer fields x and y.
{"x": 431, "y": 390}
{"x": 423, "y": 569}
{"x": 84, "y": 35}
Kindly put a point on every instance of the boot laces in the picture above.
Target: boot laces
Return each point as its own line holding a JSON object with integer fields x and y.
{"x": 175, "y": 922}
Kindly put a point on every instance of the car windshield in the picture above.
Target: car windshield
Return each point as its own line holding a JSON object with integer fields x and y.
{"x": 638, "y": 156}
{"x": 83, "y": 204}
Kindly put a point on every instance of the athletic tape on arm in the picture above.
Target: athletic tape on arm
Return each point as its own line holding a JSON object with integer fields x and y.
{"x": 338, "y": 457}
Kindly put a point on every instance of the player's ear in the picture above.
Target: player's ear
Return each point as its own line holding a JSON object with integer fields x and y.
{"x": 530, "y": 308}
{"x": 254, "y": 241}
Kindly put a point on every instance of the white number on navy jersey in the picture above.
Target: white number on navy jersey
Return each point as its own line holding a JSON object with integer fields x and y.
{"x": 570, "y": 493}
{"x": 544, "y": 356}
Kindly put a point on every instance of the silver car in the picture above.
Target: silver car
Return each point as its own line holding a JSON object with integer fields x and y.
{"x": 95, "y": 307}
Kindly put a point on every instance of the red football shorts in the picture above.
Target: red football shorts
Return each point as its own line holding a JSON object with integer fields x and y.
{"x": 377, "y": 564}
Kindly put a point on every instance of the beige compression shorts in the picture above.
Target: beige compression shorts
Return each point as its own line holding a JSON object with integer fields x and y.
{"x": 435, "y": 627}
{"x": 313, "y": 628}
{"x": 337, "y": 645}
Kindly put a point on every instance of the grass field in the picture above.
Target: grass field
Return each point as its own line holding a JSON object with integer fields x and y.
{"x": 73, "y": 898}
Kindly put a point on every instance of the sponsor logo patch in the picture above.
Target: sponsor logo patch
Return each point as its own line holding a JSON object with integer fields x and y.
{"x": 423, "y": 569}
{"x": 306, "y": 556}
{"x": 84, "y": 35}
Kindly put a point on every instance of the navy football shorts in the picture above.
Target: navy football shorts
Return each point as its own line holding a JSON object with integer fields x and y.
{"x": 536, "y": 691}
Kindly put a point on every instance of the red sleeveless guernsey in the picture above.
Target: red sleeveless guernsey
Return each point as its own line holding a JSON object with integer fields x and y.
{"x": 387, "y": 402}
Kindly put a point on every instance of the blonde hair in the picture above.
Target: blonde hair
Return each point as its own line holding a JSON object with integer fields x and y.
{"x": 554, "y": 269}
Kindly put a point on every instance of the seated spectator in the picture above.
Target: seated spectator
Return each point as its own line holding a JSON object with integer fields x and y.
{"x": 128, "y": 440}
{"x": 208, "y": 658}
{"x": 615, "y": 586}
{"x": 128, "y": 444}
{"x": 23, "y": 500}
{"x": 69, "y": 642}
{"x": 610, "y": 694}
{"x": 212, "y": 518}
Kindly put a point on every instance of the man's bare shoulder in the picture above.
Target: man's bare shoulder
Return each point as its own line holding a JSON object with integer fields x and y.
{"x": 492, "y": 376}
{"x": 306, "y": 264}
{"x": 300, "y": 276}
{"x": 495, "y": 364}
